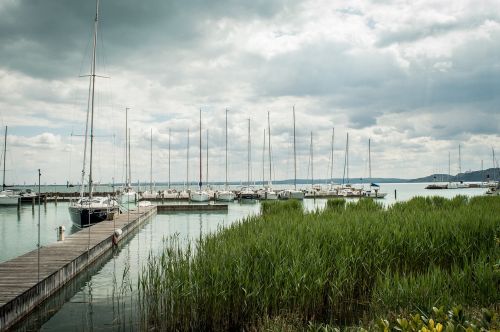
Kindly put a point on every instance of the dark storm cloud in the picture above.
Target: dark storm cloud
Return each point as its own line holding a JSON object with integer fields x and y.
{"x": 44, "y": 38}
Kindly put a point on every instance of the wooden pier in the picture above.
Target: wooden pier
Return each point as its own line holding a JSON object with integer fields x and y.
{"x": 192, "y": 207}
{"x": 23, "y": 286}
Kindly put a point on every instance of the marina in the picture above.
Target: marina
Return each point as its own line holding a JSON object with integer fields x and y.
{"x": 145, "y": 187}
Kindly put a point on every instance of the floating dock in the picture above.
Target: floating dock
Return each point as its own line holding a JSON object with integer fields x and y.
{"x": 23, "y": 286}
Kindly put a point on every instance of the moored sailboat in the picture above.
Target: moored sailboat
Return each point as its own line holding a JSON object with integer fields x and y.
{"x": 7, "y": 196}
{"x": 225, "y": 195}
{"x": 90, "y": 210}
{"x": 199, "y": 195}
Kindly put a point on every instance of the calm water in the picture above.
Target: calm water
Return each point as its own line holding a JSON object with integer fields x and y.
{"x": 104, "y": 298}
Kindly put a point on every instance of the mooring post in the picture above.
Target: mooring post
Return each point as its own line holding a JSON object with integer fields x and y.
{"x": 55, "y": 200}
{"x": 395, "y": 194}
{"x": 19, "y": 203}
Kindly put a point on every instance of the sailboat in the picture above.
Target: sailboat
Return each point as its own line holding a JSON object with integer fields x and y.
{"x": 268, "y": 193}
{"x": 374, "y": 191}
{"x": 199, "y": 195}
{"x": 225, "y": 195}
{"x": 346, "y": 189}
{"x": 90, "y": 210}
{"x": 150, "y": 194}
{"x": 293, "y": 193}
{"x": 7, "y": 196}
{"x": 247, "y": 194}
{"x": 128, "y": 193}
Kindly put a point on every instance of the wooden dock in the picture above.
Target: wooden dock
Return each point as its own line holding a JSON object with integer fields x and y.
{"x": 192, "y": 207}
{"x": 21, "y": 289}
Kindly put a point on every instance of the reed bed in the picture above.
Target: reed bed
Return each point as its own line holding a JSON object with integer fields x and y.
{"x": 347, "y": 263}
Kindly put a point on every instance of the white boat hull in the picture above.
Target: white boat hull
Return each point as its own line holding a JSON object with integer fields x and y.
{"x": 199, "y": 196}
{"x": 291, "y": 194}
{"x": 128, "y": 197}
{"x": 9, "y": 199}
{"x": 225, "y": 196}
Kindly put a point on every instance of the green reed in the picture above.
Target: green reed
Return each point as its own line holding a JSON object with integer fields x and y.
{"x": 336, "y": 266}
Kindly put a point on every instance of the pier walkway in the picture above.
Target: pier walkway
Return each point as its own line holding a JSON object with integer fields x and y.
{"x": 23, "y": 286}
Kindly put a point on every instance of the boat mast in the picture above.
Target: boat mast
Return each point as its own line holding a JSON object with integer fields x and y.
{"x": 459, "y": 159}
{"x": 126, "y": 148}
{"x": 263, "y": 157}
{"x": 449, "y": 167}
{"x": 199, "y": 184}
{"x": 270, "y": 182}
{"x": 92, "y": 97}
{"x": 248, "y": 161}
{"x": 312, "y": 161}
{"x": 369, "y": 160}
{"x": 207, "y": 159}
{"x": 169, "y": 136}
{"x": 151, "y": 165}
{"x": 187, "y": 163}
{"x": 294, "y": 153}
{"x": 4, "y": 153}
{"x": 226, "y": 153}
{"x": 129, "y": 161}
{"x": 331, "y": 165}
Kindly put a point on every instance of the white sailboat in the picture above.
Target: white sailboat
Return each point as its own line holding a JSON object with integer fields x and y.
{"x": 374, "y": 191}
{"x": 150, "y": 194}
{"x": 7, "y": 196}
{"x": 247, "y": 194}
{"x": 293, "y": 193}
{"x": 268, "y": 193}
{"x": 225, "y": 195}
{"x": 127, "y": 194}
{"x": 346, "y": 190}
{"x": 90, "y": 210}
{"x": 199, "y": 195}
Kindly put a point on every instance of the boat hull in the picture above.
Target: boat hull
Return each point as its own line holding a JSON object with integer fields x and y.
{"x": 9, "y": 200}
{"x": 128, "y": 198}
{"x": 199, "y": 197}
{"x": 84, "y": 217}
{"x": 225, "y": 196}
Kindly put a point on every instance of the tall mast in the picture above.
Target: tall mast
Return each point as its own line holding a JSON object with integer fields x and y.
{"x": 92, "y": 97}
{"x": 126, "y": 147}
{"x": 347, "y": 156}
{"x": 4, "y": 153}
{"x": 187, "y": 162}
{"x": 129, "y": 161}
{"x": 207, "y": 159}
{"x": 169, "y": 136}
{"x": 249, "y": 147}
{"x": 312, "y": 161}
{"x": 151, "y": 164}
{"x": 459, "y": 159}
{"x": 226, "y": 152}
{"x": 449, "y": 167}
{"x": 199, "y": 184}
{"x": 270, "y": 182}
{"x": 346, "y": 161}
{"x": 263, "y": 156}
{"x": 331, "y": 165}
{"x": 294, "y": 153}
{"x": 370, "y": 159}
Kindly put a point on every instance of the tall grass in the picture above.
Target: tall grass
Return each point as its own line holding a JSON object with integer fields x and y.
{"x": 335, "y": 266}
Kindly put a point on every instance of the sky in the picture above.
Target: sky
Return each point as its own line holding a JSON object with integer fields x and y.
{"x": 418, "y": 78}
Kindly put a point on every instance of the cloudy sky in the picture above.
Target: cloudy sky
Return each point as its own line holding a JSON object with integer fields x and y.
{"x": 417, "y": 77}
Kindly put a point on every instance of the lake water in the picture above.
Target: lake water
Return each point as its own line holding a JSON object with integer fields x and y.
{"x": 104, "y": 298}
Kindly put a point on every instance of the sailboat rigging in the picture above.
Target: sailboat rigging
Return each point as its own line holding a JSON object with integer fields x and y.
{"x": 200, "y": 195}
{"x": 92, "y": 209}
{"x": 226, "y": 195}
